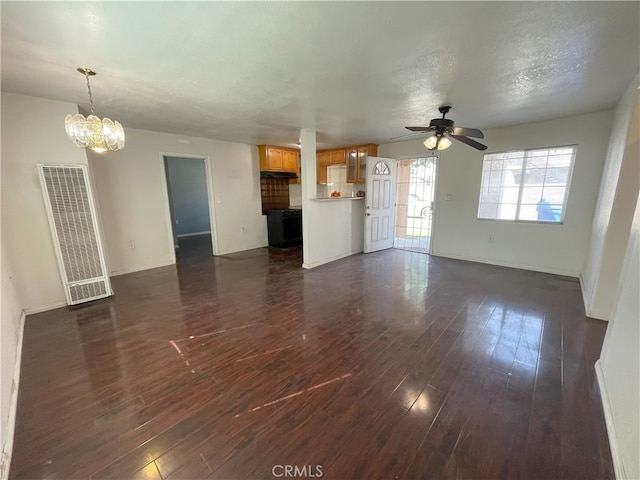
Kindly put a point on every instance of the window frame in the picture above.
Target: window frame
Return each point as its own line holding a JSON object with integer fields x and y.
{"x": 525, "y": 158}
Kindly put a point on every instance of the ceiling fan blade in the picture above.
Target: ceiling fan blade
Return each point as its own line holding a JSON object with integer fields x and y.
{"x": 467, "y": 132}
{"x": 471, "y": 143}
{"x": 414, "y": 134}
{"x": 419, "y": 129}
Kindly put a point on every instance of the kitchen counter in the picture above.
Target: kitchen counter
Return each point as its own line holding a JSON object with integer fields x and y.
{"x": 333, "y": 199}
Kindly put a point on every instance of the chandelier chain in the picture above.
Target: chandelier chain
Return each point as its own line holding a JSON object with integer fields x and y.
{"x": 93, "y": 111}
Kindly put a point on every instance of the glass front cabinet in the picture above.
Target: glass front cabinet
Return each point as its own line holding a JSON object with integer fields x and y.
{"x": 357, "y": 162}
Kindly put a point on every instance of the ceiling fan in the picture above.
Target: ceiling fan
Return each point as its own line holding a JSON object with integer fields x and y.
{"x": 444, "y": 128}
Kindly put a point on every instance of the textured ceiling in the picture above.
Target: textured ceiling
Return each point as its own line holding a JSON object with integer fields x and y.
{"x": 356, "y": 72}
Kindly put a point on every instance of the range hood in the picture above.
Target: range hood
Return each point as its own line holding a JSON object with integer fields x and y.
{"x": 278, "y": 175}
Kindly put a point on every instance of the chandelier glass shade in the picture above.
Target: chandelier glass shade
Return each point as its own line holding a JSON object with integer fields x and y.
{"x": 437, "y": 142}
{"x": 92, "y": 132}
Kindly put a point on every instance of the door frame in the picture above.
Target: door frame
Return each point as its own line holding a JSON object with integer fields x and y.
{"x": 434, "y": 209}
{"x": 210, "y": 197}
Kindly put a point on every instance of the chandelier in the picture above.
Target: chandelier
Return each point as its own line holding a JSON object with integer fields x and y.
{"x": 91, "y": 132}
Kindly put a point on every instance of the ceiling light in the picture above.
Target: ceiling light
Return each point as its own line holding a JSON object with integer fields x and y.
{"x": 432, "y": 142}
{"x": 91, "y": 132}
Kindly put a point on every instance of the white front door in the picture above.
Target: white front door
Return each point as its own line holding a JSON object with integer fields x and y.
{"x": 379, "y": 213}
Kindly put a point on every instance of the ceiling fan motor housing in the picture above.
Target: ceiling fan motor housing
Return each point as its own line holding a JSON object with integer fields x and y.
{"x": 440, "y": 125}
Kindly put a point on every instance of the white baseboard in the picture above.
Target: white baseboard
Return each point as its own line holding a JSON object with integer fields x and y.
{"x": 330, "y": 259}
{"x": 604, "y": 316}
{"x": 584, "y": 293}
{"x": 588, "y": 311}
{"x": 124, "y": 271}
{"x": 195, "y": 234}
{"x": 521, "y": 266}
{"x": 618, "y": 466}
{"x": 229, "y": 252}
{"x": 13, "y": 403}
{"x": 46, "y": 308}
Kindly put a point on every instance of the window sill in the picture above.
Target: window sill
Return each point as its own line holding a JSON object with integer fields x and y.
{"x": 539, "y": 222}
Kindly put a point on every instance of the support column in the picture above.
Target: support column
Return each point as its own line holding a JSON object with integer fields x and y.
{"x": 309, "y": 189}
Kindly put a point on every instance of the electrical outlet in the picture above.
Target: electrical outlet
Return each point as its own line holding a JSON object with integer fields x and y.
{"x": 242, "y": 230}
{"x": 132, "y": 244}
{"x": 490, "y": 239}
{"x": 448, "y": 197}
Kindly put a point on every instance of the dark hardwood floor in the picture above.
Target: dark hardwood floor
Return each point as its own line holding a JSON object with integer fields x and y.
{"x": 391, "y": 365}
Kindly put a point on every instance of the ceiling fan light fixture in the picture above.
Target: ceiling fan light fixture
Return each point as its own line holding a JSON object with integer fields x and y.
{"x": 99, "y": 135}
{"x": 437, "y": 142}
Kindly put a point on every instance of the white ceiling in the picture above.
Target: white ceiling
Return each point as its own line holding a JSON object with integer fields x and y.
{"x": 358, "y": 72}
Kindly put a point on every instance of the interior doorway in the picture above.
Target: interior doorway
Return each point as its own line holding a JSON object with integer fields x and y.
{"x": 415, "y": 197}
{"x": 189, "y": 207}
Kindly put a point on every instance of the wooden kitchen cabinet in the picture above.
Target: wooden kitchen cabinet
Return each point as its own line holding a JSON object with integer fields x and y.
{"x": 338, "y": 157}
{"x": 278, "y": 159}
{"x": 326, "y": 158}
{"x": 290, "y": 160}
{"x": 323, "y": 158}
{"x": 331, "y": 157}
{"x": 321, "y": 174}
{"x": 355, "y": 158}
{"x": 357, "y": 162}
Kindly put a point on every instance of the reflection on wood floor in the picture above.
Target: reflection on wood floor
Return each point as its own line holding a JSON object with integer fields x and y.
{"x": 413, "y": 244}
{"x": 387, "y": 365}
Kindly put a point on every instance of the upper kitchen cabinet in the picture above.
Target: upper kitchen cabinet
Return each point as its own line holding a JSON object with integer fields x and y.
{"x": 355, "y": 158}
{"x": 323, "y": 160}
{"x": 338, "y": 157}
{"x": 357, "y": 162}
{"x": 326, "y": 158}
{"x": 290, "y": 160}
{"x": 278, "y": 159}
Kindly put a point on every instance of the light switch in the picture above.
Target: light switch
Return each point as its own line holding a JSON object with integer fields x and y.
{"x": 448, "y": 197}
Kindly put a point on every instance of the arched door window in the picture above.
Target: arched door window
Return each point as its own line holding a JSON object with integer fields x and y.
{"x": 381, "y": 168}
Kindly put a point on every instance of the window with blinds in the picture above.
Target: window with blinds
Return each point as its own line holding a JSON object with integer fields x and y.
{"x": 526, "y": 185}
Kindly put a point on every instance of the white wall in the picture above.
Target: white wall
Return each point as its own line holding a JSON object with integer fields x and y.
{"x": 611, "y": 284}
{"x": 612, "y": 219}
{"x": 133, "y": 201}
{"x": 10, "y": 336}
{"x": 619, "y": 364}
{"x": 548, "y": 248}
{"x": 336, "y": 230}
{"x": 32, "y": 132}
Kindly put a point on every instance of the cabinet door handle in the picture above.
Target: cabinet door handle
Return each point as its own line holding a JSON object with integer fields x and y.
{"x": 367, "y": 214}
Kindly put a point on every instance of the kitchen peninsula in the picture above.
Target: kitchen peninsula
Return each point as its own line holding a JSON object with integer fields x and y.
{"x": 333, "y": 227}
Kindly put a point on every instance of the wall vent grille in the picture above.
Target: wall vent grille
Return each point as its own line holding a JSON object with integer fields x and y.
{"x": 79, "y": 292}
{"x": 74, "y": 229}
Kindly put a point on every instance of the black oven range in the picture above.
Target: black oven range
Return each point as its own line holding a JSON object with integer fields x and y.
{"x": 284, "y": 227}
